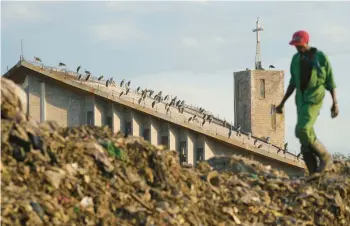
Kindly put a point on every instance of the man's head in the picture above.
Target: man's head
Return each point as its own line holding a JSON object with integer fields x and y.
{"x": 300, "y": 40}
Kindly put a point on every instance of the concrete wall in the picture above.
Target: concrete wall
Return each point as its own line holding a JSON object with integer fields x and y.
{"x": 261, "y": 107}
{"x": 64, "y": 106}
{"x": 34, "y": 97}
{"x": 242, "y": 100}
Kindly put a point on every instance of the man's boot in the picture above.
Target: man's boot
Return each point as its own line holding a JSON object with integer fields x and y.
{"x": 325, "y": 158}
{"x": 309, "y": 159}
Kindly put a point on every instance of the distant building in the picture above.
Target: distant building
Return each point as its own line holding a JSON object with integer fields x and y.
{"x": 59, "y": 95}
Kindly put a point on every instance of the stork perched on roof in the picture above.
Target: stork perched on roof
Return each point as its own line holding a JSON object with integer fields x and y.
{"x": 100, "y": 78}
{"x": 122, "y": 83}
{"x": 78, "y": 68}
{"x": 128, "y": 84}
{"x": 230, "y": 132}
{"x": 61, "y": 64}
{"x": 88, "y": 77}
{"x": 271, "y": 66}
{"x": 37, "y": 59}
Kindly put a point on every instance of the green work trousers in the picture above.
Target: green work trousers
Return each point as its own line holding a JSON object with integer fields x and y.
{"x": 307, "y": 115}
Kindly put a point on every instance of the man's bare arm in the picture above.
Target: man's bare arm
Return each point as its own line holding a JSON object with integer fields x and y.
{"x": 289, "y": 92}
{"x": 334, "y": 97}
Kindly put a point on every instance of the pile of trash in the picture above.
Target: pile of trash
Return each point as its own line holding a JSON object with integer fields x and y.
{"x": 90, "y": 176}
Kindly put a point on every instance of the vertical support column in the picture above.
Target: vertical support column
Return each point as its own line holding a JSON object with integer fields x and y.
{"x": 116, "y": 118}
{"x": 135, "y": 123}
{"x": 173, "y": 138}
{"x": 208, "y": 149}
{"x": 191, "y": 141}
{"x": 42, "y": 102}
{"x": 154, "y": 131}
{"x": 97, "y": 113}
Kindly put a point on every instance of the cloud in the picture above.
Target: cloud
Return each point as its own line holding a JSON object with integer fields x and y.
{"x": 338, "y": 34}
{"x": 118, "y": 31}
{"x": 137, "y": 7}
{"x": 189, "y": 42}
{"x": 22, "y": 12}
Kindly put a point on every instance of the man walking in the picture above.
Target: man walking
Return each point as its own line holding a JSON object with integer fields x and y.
{"x": 311, "y": 75}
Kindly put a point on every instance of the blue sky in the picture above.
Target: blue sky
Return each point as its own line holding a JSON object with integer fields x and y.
{"x": 189, "y": 49}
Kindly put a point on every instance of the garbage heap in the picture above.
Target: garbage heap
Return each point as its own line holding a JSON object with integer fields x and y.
{"x": 90, "y": 176}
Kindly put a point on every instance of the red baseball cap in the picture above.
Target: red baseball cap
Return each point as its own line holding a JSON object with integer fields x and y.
{"x": 299, "y": 38}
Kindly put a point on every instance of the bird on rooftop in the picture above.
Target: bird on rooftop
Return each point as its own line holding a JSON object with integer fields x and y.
{"x": 224, "y": 124}
{"x": 138, "y": 89}
{"x": 189, "y": 119}
{"x": 298, "y": 156}
{"x": 168, "y": 110}
{"x": 279, "y": 150}
{"x": 140, "y": 100}
{"x": 100, "y": 78}
{"x": 249, "y": 136}
{"x": 128, "y": 84}
{"x": 37, "y": 59}
{"x": 79, "y": 77}
{"x": 201, "y": 110}
{"x": 286, "y": 146}
{"x": 210, "y": 119}
{"x": 87, "y": 72}
{"x": 166, "y": 97}
{"x": 239, "y": 128}
{"x": 260, "y": 146}
{"x": 107, "y": 83}
{"x": 267, "y": 139}
{"x": 182, "y": 109}
{"x": 151, "y": 93}
{"x": 87, "y": 77}
{"x": 127, "y": 91}
{"x": 271, "y": 66}
{"x": 203, "y": 122}
{"x": 61, "y": 64}
{"x": 229, "y": 132}
{"x": 160, "y": 93}
{"x": 178, "y": 102}
{"x": 182, "y": 102}
{"x": 204, "y": 116}
{"x": 78, "y": 68}
{"x": 122, "y": 82}
{"x": 121, "y": 93}
{"x": 195, "y": 116}
{"x": 255, "y": 141}
{"x": 153, "y": 103}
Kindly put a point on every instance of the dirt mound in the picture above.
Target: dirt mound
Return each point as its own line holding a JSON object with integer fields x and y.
{"x": 90, "y": 176}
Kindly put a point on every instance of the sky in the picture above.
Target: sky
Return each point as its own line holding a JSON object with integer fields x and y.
{"x": 188, "y": 49}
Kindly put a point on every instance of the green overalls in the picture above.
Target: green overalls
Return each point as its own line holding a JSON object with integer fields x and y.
{"x": 310, "y": 101}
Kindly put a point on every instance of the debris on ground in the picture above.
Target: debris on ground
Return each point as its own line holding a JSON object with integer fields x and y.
{"x": 90, "y": 176}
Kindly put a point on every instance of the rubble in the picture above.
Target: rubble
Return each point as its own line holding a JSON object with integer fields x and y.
{"x": 90, "y": 176}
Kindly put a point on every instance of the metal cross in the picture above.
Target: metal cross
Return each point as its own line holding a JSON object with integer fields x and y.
{"x": 258, "y": 28}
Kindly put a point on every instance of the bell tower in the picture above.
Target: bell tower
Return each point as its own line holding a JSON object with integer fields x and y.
{"x": 256, "y": 94}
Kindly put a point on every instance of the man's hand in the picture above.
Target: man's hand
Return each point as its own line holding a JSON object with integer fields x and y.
{"x": 279, "y": 109}
{"x": 334, "y": 110}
